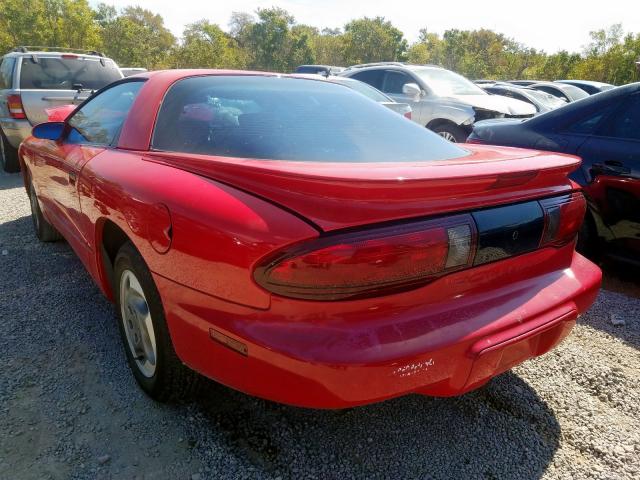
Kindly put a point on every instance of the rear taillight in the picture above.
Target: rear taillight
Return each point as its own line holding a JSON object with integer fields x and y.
{"x": 14, "y": 102}
{"x": 476, "y": 141}
{"x": 407, "y": 115}
{"x": 563, "y": 218}
{"x": 372, "y": 262}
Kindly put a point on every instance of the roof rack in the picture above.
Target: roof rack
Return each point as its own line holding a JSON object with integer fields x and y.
{"x": 375, "y": 64}
{"x": 41, "y": 48}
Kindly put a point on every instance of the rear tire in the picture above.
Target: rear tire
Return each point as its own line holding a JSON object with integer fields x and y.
{"x": 44, "y": 230}
{"x": 145, "y": 335}
{"x": 451, "y": 132}
{"x": 8, "y": 155}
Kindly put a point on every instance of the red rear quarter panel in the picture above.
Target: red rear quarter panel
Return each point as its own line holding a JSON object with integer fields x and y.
{"x": 217, "y": 232}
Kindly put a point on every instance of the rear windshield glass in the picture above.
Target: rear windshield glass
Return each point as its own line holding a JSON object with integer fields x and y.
{"x": 281, "y": 118}
{"x": 60, "y": 73}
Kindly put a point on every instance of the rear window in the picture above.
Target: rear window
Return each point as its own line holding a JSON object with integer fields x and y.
{"x": 281, "y": 118}
{"x": 59, "y": 73}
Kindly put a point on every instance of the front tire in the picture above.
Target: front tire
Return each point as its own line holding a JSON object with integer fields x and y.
{"x": 8, "y": 155}
{"x": 144, "y": 331}
{"x": 44, "y": 230}
{"x": 451, "y": 132}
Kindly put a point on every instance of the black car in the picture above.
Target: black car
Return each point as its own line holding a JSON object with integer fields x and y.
{"x": 588, "y": 86}
{"x": 605, "y": 131}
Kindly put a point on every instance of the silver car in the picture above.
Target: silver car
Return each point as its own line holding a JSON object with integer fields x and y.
{"x": 33, "y": 79}
{"x": 441, "y": 100}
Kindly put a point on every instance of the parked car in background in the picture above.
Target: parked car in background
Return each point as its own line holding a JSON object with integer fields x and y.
{"x": 33, "y": 79}
{"x": 564, "y": 91}
{"x": 325, "y": 70}
{"x": 523, "y": 83}
{"x": 368, "y": 91}
{"x": 303, "y": 244}
{"x": 605, "y": 131}
{"x": 128, "y": 71}
{"x": 441, "y": 100}
{"x": 542, "y": 101}
{"x": 588, "y": 86}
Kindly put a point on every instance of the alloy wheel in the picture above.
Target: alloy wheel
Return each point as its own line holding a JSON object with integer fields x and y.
{"x": 138, "y": 327}
{"x": 448, "y": 136}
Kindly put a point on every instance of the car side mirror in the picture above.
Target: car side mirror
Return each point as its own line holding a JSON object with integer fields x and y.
{"x": 412, "y": 90}
{"x": 48, "y": 131}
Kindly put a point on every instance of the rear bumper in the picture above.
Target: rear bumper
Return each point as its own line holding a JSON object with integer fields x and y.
{"x": 318, "y": 355}
{"x": 15, "y": 130}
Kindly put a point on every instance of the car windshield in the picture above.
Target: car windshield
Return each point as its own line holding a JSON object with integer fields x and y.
{"x": 63, "y": 72}
{"x": 546, "y": 99}
{"x": 284, "y": 118}
{"x": 445, "y": 83}
{"x": 364, "y": 89}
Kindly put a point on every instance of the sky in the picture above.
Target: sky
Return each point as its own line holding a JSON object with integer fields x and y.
{"x": 549, "y": 25}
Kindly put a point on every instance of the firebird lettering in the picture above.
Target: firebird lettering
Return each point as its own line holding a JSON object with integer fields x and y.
{"x": 413, "y": 368}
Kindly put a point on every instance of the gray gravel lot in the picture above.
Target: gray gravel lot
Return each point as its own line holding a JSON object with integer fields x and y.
{"x": 70, "y": 409}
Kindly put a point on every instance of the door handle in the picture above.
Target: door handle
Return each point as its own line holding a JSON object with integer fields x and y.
{"x": 73, "y": 177}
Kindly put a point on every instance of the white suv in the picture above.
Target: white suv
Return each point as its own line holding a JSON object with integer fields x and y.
{"x": 33, "y": 79}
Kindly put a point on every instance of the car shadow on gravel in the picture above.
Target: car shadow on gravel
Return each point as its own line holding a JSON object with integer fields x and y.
{"x": 503, "y": 431}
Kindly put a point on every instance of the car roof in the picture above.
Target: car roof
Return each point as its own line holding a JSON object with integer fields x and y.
{"x": 585, "y": 82}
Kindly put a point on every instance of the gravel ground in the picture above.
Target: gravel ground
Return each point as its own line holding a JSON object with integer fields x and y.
{"x": 69, "y": 409}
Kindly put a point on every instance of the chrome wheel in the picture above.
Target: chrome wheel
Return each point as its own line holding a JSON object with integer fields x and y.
{"x": 138, "y": 327}
{"x": 448, "y": 136}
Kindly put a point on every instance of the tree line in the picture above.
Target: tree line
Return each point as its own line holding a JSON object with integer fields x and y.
{"x": 271, "y": 39}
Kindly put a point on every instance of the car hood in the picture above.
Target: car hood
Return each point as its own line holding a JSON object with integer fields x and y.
{"x": 496, "y": 103}
{"x": 335, "y": 196}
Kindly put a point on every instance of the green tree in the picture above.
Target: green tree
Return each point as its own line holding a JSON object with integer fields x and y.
{"x": 274, "y": 43}
{"x": 205, "y": 45}
{"x": 373, "y": 40}
{"x": 136, "y": 37}
{"x": 52, "y": 23}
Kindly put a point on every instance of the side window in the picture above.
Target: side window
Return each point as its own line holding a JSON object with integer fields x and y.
{"x": 6, "y": 72}
{"x": 587, "y": 125}
{"x": 394, "y": 81}
{"x": 552, "y": 91}
{"x": 626, "y": 122}
{"x": 99, "y": 121}
{"x": 372, "y": 77}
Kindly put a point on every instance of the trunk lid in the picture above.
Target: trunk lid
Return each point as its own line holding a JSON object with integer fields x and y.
{"x": 36, "y": 102}
{"x": 342, "y": 195}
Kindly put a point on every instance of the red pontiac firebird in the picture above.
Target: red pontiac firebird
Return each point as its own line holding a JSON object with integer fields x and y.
{"x": 294, "y": 240}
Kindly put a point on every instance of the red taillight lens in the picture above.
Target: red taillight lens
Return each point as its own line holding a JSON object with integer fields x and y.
{"x": 407, "y": 115}
{"x": 476, "y": 141}
{"x": 563, "y": 217}
{"x": 364, "y": 264}
{"x": 14, "y": 102}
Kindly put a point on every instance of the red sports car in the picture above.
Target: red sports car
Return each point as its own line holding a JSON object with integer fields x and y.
{"x": 292, "y": 239}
